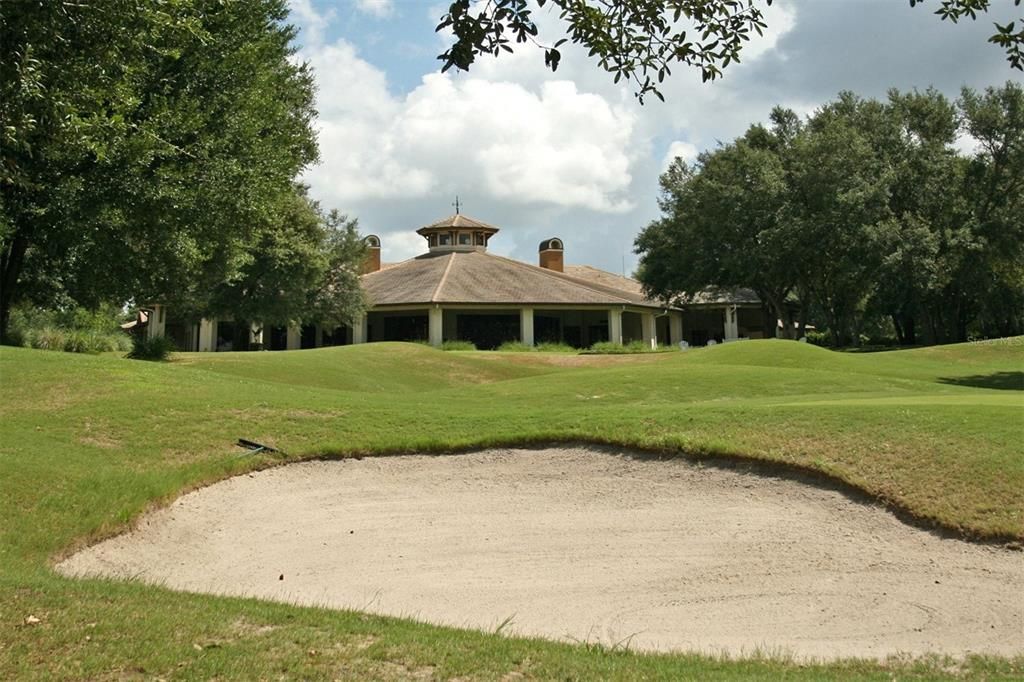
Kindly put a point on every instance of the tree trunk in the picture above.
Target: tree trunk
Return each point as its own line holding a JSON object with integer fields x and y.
{"x": 777, "y": 308}
{"x": 10, "y": 268}
{"x": 900, "y": 336}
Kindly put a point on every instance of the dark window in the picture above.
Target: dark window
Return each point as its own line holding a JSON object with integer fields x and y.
{"x": 479, "y": 238}
{"x": 433, "y": 240}
{"x": 464, "y": 238}
{"x": 444, "y": 239}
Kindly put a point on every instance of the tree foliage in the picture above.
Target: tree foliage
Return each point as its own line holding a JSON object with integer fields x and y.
{"x": 149, "y": 152}
{"x": 642, "y": 40}
{"x": 864, "y": 213}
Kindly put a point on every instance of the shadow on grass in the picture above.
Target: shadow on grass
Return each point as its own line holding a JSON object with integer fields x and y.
{"x": 1005, "y": 381}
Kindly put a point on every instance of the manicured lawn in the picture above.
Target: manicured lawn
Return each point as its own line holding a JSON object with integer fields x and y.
{"x": 88, "y": 443}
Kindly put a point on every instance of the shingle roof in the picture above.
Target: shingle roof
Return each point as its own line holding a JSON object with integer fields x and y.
{"x": 604, "y": 278}
{"x": 723, "y": 296}
{"x": 459, "y": 220}
{"x": 712, "y": 295}
{"x": 477, "y": 277}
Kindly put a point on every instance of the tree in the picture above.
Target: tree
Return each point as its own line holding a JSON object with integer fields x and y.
{"x": 866, "y": 212}
{"x": 723, "y": 225}
{"x": 642, "y": 40}
{"x": 300, "y": 267}
{"x": 146, "y": 146}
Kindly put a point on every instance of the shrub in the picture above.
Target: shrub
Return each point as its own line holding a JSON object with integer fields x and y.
{"x": 550, "y": 347}
{"x": 611, "y": 348}
{"x": 607, "y": 348}
{"x": 157, "y": 348}
{"x": 515, "y": 347}
{"x": 819, "y": 338}
{"x": 75, "y": 330}
{"x": 458, "y": 345}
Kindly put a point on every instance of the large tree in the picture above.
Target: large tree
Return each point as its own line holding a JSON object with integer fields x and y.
{"x": 642, "y": 40}
{"x": 866, "y": 212}
{"x": 723, "y": 224}
{"x": 147, "y": 147}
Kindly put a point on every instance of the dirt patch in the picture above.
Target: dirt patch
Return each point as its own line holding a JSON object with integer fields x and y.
{"x": 588, "y": 545}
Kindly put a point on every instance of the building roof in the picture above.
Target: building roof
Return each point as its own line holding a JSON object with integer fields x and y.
{"x": 604, "y": 278}
{"x": 723, "y": 296}
{"x": 458, "y": 220}
{"x": 707, "y": 296}
{"x": 476, "y": 277}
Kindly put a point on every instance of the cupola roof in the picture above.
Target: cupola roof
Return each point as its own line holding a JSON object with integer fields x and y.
{"x": 457, "y": 221}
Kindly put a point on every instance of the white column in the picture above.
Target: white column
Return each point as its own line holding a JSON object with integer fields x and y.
{"x": 649, "y": 330}
{"x": 157, "y": 322}
{"x": 675, "y": 328}
{"x": 207, "y": 335}
{"x": 294, "y": 338}
{"x": 435, "y": 322}
{"x": 732, "y": 329}
{"x": 615, "y": 325}
{"x": 526, "y": 326}
{"x": 359, "y": 330}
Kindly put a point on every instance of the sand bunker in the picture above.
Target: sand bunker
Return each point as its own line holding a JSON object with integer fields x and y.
{"x": 588, "y": 545}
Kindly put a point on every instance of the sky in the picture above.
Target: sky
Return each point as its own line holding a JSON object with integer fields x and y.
{"x": 570, "y": 154}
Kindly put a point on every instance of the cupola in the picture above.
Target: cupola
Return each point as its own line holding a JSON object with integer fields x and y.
{"x": 457, "y": 233}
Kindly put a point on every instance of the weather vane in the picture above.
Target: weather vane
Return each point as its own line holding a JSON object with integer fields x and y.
{"x": 456, "y": 204}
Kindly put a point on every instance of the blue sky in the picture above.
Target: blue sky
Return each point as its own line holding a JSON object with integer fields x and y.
{"x": 570, "y": 154}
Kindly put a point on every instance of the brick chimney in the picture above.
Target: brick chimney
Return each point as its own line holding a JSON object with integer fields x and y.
{"x": 372, "y": 262}
{"x": 551, "y": 254}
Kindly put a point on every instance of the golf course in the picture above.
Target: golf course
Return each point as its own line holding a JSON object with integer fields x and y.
{"x": 91, "y": 445}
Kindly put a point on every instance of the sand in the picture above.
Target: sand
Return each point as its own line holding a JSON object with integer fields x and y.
{"x": 584, "y": 544}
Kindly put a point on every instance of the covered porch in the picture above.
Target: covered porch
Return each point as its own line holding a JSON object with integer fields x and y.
{"x": 487, "y": 327}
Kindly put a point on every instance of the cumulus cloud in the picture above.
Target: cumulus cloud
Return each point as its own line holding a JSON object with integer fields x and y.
{"x": 570, "y": 153}
{"x": 500, "y": 140}
{"x": 377, "y": 8}
{"x": 313, "y": 23}
{"x": 679, "y": 149}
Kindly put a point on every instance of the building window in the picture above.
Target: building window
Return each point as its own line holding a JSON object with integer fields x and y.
{"x": 433, "y": 240}
{"x": 464, "y": 239}
{"x": 444, "y": 239}
{"x": 479, "y": 238}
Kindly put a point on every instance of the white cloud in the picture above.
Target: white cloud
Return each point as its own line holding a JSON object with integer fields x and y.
{"x": 377, "y": 8}
{"x": 402, "y": 244}
{"x": 682, "y": 149}
{"x": 497, "y": 140}
{"x": 312, "y": 23}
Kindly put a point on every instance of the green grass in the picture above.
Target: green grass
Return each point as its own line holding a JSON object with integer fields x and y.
{"x": 87, "y": 443}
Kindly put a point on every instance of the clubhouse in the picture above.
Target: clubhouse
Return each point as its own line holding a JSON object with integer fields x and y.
{"x": 458, "y": 291}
